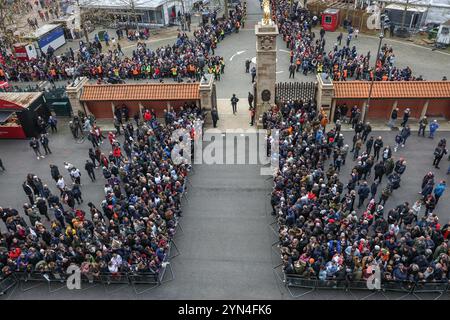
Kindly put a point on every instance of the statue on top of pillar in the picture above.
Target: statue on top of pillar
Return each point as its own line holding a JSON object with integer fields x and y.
{"x": 266, "y": 10}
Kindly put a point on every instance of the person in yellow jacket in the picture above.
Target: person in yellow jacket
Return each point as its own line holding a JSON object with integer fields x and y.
{"x": 319, "y": 67}
{"x": 174, "y": 72}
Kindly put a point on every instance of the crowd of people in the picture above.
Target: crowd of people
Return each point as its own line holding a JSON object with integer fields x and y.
{"x": 130, "y": 231}
{"x": 330, "y": 229}
{"x": 308, "y": 52}
{"x": 187, "y": 57}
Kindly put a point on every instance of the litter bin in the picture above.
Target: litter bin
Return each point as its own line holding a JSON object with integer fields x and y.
{"x": 101, "y": 35}
{"x": 62, "y": 109}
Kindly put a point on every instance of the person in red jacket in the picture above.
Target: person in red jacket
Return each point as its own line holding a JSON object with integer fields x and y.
{"x": 117, "y": 153}
{"x": 147, "y": 115}
{"x": 14, "y": 253}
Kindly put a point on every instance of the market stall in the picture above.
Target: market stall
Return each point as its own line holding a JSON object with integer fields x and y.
{"x": 19, "y": 112}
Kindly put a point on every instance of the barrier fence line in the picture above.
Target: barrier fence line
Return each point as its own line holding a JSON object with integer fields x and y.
{"x": 407, "y": 287}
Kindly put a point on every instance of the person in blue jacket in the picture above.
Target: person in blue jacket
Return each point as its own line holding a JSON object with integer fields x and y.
{"x": 433, "y": 128}
{"x": 439, "y": 190}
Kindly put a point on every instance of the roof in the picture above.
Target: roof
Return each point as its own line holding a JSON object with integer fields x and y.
{"x": 411, "y": 8}
{"x": 15, "y": 100}
{"x": 122, "y": 4}
{"x": 42, "y": 30}
{"x": 142, "y": 92}
{"x": 392, "y": 89}
{"x": 331, "y": 11}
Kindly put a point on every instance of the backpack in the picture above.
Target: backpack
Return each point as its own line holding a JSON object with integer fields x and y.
{"x": 437, "y": 152}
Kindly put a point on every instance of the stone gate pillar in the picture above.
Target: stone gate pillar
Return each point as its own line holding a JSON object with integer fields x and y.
{"x": 207, "y": 94}
{"x": 266, "y": 67}
{"x": 73, "y": 92}
{"x": 324, "y": 94}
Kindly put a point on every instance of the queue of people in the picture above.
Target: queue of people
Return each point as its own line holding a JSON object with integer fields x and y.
{"x": 308, "y": 53}
{"x": 332, "y": 230}
{"x": 131, "y": 229}
{"x": 187, "y": 57}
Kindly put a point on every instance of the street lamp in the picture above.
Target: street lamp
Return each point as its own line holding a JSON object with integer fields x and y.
{"x": 367, "y": 106}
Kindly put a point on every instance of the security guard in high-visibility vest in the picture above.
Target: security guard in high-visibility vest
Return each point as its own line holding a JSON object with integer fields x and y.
{"x": 319, "y": 67}
{"x": 174, "y": 71}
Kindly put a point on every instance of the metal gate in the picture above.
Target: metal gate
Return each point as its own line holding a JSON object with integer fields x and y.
{"x": 58, "y": 102}
{"x": 291, "y": 91}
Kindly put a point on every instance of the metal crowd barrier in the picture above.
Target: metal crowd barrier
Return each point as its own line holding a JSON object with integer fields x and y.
{"x": 406, "y": 287}
{"x": 57, "y": 281}
{"x": 6, "y": 284}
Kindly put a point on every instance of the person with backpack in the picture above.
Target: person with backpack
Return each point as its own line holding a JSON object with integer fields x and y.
{"x": 398, "y": 142}
{"x": 439, "y": 153}
{"x": 400, "y": 166}
{"x": 76, "y": 192}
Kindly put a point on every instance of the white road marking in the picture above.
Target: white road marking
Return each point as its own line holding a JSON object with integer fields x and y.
{"x": 236, "y": 54}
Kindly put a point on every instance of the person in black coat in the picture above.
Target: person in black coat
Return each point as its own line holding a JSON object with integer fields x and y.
{"x": 369, "y": 145}
{"x": 76, "y": 192}
{"x": 379, "y": 171}
{"x": 93, "y": 157}
{"x": 42, "y": 207}
{"x": 377, "y": 145}
{"x": 54, "y": 171}
{"x": 28, "y": 191}
{"x": 363, "y": 193}
{"x": 215, "y": 117}
{"x": 89, "y": 166}
{"x": 69, "y": 198}
{"x": 373, "y": 189}
{"x": 44, "y": 141}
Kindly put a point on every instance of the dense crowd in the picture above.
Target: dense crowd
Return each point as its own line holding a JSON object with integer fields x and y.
{"x": 187, "y": 57}
{"x": 131, "y": 230}
{"x": 332, "y": 230}
{"x": 308, "y": 53}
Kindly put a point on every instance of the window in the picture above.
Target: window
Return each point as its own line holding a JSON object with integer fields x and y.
{"x": 327, "y": 19}
{"x": 444, "y": 30}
